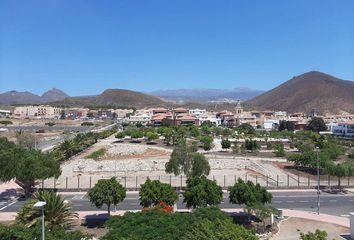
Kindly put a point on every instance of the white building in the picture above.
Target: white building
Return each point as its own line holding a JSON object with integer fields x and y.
{"x": 5, "y": 113}
{"x": 144, "y": 119}
{"x": 214, "y": 120}
{"x": 41, "y": 111}
{"x": 197, "y": 112}
{"x": 345, "y": 130}
{"x": 280, "y": 114}
{"x": 270, "y": 124}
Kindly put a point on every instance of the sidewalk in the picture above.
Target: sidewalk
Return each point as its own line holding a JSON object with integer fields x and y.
{"x": 9, "y": 191}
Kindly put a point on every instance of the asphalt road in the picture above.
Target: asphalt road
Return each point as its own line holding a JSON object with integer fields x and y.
{"x": 334, "y": 204}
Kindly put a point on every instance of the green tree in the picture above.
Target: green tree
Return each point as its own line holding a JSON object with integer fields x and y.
{"x": 154, "y": 192}
{"x": 169, "y": 135}
{"x": 120, "y": 135}
{"x": 251, "y": 145}
{"x": 137, "y": 134}
{"x": 202, "y": 192}
{"x": 205, "y": 129}
{"x": 185, "y": 160}
{"x": 340, "y": 170}
{"x": 249, "y": 194}
{"x": 57, "y": 212}
{"x": 279, "y": 150}
{"x": 225, "y": 144}
{"x": 317, "y": 124}
{"x": 317, "y": 235}
{"x": 26, "y": 165}
{"x": 194, "y": 131}
{"x": 108, "y": 192}
{"x": 202, "y": 224}
{"x": 246, "y": 128}
{"x": 286, "y": 126}
{"x": 207, "y": 142}
{"x": 152, "y": 136}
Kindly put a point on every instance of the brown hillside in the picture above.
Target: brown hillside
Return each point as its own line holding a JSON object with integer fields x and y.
{"x": 115, "y": 98}
{"x": 321, "y": 91}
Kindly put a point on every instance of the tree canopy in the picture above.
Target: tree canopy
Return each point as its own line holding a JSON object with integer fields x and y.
{"x": 317, "y": 124}
{"x": 57, "y": 212}
{"x": 286, "y": 126}
{"x": 26, "y": 165}
{"x": 201, "y": 224}
{"x": 249, "y": 193}
{"x": 154, "y": 192}
{"x": 108, "y": 192}
{"x": 202, "y": 192}
{"x": 184, "y": 159}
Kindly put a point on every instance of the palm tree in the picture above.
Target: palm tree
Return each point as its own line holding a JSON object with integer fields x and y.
{"x": 57, "y": 211}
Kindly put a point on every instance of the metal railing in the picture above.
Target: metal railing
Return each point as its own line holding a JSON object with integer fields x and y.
{"x": 291, "y": 181}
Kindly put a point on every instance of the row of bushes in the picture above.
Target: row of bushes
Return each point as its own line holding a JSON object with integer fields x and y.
{"x": 79, "y": 143}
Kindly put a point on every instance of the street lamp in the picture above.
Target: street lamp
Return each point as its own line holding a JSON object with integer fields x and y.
{"x": 40, "y": 205}
{"x": 318, "y": 182}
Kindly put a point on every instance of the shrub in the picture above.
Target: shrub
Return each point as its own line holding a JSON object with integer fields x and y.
{"x": 50, "y": 124}
{"x": 6, "y": 122}
{"x": 87, "y": 124}
{"x": 204, "y": 224}
{"x": 97, "y": 154}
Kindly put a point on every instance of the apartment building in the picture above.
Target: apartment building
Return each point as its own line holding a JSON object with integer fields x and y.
{"x": 344, "y": 129}
{"x": 41, "y": 111}
{"x": 143, "y": 119}
{"x": 197, "y": 112}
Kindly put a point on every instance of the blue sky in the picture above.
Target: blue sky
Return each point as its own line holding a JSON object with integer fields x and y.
{"x": 85, "y": 46}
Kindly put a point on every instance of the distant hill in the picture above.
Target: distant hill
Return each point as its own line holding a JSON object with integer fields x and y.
{"x": 203, "y": 95}
{"x": 325, "y": 93}
{"x": 14, "y": 97}
{"x": 54, "y": 95}
{"x": 115, "y": 98}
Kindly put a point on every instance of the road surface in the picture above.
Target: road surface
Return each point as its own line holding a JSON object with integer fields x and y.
{"x": 333, "y": 204}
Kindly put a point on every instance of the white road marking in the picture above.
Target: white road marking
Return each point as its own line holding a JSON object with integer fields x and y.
{"x": 290, "y": 201}
{"x": 8, "y": 205}
{"x": 78, "y": 197}
{"x": 304, "y": 201}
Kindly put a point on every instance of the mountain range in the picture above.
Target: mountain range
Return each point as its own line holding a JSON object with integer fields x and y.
{"x": 202, "y": 95}
{"x": 14, "y": 97}
{"x": 312, "y": 90}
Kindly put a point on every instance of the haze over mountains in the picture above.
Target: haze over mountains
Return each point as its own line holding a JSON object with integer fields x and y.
{"x": 325, "y": 93}
{"x": 202, "y": 95}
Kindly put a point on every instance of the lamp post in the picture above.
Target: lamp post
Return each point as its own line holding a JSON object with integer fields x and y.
{"x": 40, "y": 205}
{"x": 318, "y": 182}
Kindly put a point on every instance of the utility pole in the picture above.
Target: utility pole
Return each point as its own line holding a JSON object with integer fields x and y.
{"x": 318, "y": 182}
